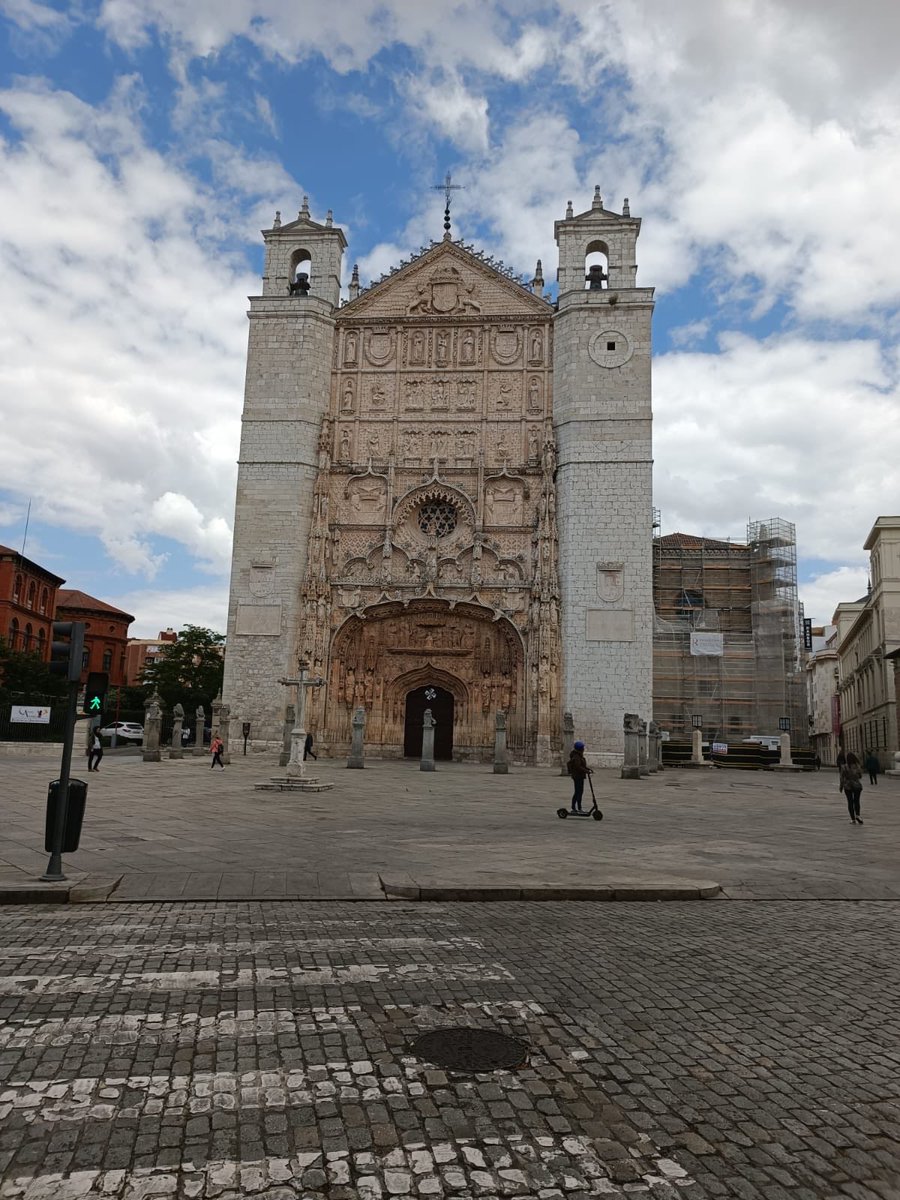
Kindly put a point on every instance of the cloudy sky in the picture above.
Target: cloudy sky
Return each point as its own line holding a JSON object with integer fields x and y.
{"x": 145, "y": 143}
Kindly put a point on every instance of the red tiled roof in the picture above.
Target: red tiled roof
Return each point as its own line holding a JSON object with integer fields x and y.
{"x": 73, "y": 598}
{"x": 688, "y": 541}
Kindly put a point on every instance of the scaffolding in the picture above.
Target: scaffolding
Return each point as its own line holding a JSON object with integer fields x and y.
{"x": 742, "y": 592}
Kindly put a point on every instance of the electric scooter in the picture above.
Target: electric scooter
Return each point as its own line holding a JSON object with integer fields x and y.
{"x": 593, "y": 811}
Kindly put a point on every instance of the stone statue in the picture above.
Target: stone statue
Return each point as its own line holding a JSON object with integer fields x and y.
{"x": 468, "y": 347}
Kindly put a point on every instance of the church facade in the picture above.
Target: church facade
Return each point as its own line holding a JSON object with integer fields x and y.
{"x": 444, "y": 499}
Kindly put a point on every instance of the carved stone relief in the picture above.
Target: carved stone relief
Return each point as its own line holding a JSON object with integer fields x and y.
{"x": 351, "y": 347}
{"x": 505, "y": 393}
{"x": 445, "y": 292}
{"x": 380, "y": 347}
{"x": 367, "y": 500}
{"x": 506, "y": 344}
{"x": 535, "y": 394}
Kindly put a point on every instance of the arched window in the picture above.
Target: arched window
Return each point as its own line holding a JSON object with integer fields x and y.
{"x": 596, "y": 266}
{"x": 13, "y": 633}
{"x": 45, "y": 600}
{"x": 17, "y": 589}
{"x": 29, "y": 633}
{"x": 107, "y": 660}
{"x": 300, "y": 274}
{"x": 32, "y": 592}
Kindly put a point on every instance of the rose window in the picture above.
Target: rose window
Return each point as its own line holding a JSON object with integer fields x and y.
{"x": 437, "y": 518}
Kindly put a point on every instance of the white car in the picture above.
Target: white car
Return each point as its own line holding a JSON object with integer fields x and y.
{"x": 129, "y": 730}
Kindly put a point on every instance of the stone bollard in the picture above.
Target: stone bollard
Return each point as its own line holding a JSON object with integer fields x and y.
{"x": 568, "y": 737}
{"x": 894, "y": 771}
{"x": 501, "y": 757}
{"x": 653, "y": 748}
{"x": 176, "y": 750}
{"x": 199, "y": 730}
{"x": 643, "y": 757}
{"x": 152, "y": 729}
{"x": 356, "y": 761}
{"x": 224, "y": 730}
{"x": 785, "y": 762}
{"x": 697, "y": 748}
{"x": 289, "y": 717}
{"x": 631, "y": 760}
{"x": 427, "y": 762}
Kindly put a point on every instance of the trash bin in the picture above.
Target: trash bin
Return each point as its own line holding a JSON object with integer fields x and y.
{"x": 74, "y": 815}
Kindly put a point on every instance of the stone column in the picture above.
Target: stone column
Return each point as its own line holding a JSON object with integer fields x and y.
{"x": 697, "y": 748}
{"x": 427, "y": 762}
{"x": 290, "y": 714}
{"x": 199, "y": 729}
{"x": 152, "y": 728}
{"x": 653, "y": 755}
{"x": 785, "y": 759}
{"x": 643, "y": 763}
{"x": 356, "y": 760}
{"x": 175, "y": 748}
{"x": 501, "y": 758}
{"x": 632, "y": 737}
{"x": 568, "y": 737}
{"x": 216, "y": 719}
{"x": 224, "y": 728}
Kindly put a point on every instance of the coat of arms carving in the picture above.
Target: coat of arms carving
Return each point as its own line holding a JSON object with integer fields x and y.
{"x": 610, "y": 581}
{"x": 445, "y": 292}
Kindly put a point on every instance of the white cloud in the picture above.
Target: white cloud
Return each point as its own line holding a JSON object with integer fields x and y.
{"x": 159, "y": 608}
{"x": 786, "y": 427}
{"x": 443, "y": 100}
{"x": 123, "y": 334}
{"x": 822, "y": 595}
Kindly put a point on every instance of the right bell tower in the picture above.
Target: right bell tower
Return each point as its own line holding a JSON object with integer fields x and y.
{"x": 602, "y": 420}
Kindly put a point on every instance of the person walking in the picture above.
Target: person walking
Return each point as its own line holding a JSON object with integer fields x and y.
{"x": 579, "y": 770}
{"x": 308, "y": 748}
{"x": 215, "y": 749}
{"x": 873, "y": 766}
{"x": 95, "y": 752}
{"x": 841, "y": 759}
{"x": 851, "y": 786}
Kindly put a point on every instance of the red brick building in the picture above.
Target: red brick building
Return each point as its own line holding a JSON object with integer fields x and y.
{"x": 143, "y": 652}
{"x": 105, "y": 634}
{"x": 28, "y": 596}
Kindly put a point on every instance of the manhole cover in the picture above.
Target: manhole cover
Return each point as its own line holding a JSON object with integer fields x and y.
{"x": 471, "y": 1050}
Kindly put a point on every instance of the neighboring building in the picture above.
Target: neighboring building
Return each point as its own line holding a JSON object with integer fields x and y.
{"x": 105, "y": 634}
{"x": 443, "y": 496}
{"x": 822, "y": 673}
{"x": 868, "y": 643}
{"x": 727, "y": 642}
{"x": 27, "y": 602}
{"x": 143, "y": 652}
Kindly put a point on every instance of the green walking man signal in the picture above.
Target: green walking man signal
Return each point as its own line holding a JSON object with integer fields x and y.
{"x": 95, "y": 693}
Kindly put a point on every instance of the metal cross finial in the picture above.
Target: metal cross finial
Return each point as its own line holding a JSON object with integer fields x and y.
{"x": 447, "y": 187}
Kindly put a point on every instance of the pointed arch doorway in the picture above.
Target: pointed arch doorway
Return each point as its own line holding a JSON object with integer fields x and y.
{"x": 440, "y": 701}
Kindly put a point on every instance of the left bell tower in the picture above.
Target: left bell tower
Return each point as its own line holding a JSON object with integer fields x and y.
{"x": 288, "y": 383}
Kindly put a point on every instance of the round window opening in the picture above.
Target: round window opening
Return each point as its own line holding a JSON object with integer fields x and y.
{"x": 437, "y": 518}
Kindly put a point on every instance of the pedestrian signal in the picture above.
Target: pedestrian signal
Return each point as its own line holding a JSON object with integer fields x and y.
{"x": 95, "y": 693}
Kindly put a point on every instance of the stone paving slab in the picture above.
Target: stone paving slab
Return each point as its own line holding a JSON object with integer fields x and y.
{"x": 754, "y": 833}
{"x": 676, "y": 1052}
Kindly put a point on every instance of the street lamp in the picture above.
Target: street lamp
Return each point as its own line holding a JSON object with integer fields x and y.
{"x": 784, "y": 724}
{"x": 697, "y": 721}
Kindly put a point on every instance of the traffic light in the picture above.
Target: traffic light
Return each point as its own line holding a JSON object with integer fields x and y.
{"x": 95, "y": 693}
{"x": 67, "y": 649}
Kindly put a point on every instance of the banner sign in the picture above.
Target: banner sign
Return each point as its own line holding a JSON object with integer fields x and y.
{"x": 711, "y": 645}
{"x": 24, "y": 714}
{"x": 807, "y": 633}
{"x": 720, "y": 747}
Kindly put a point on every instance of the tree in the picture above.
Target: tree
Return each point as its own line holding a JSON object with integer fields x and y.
{"x": 188, "y": 671}
{"x": 25, "y": 677}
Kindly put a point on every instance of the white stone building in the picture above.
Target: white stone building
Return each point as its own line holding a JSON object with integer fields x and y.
{"x": 444, "y": 496}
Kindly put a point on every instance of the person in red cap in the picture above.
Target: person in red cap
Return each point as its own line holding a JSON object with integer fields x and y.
{"x": 579, "y": 770}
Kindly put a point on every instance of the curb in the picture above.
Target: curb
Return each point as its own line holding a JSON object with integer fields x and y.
{"x": 409, "y": 889}
{"x": 82, "y": 891}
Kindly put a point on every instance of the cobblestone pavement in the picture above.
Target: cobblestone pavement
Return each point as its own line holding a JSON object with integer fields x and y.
{"x": 198, "y": 834}
{"x": 679, "y": 1052}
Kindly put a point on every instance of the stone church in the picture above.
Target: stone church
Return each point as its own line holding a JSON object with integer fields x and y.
{"x": 444, "y": 496}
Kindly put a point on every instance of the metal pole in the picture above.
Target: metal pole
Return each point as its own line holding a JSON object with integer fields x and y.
{"x": 54, "y": 873}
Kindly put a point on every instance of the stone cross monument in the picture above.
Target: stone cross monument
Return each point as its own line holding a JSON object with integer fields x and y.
{"x": 356, "y": 761}
{"x": 501, "y": 756}
{"x": 427, "y": 762}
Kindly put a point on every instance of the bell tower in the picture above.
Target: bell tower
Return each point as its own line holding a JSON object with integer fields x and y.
{"x": 602, "y": 421}
{"x": 288, "y": 383}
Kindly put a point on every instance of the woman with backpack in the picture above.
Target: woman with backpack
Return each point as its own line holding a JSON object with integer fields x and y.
{"x": 579, "y": 770}
{"x": 851, "y": 786}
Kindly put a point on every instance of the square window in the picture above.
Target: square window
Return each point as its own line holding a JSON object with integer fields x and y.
{"x": 610, "y": 345}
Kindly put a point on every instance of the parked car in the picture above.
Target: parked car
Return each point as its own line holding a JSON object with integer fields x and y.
{"x": 129, "y": 730}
